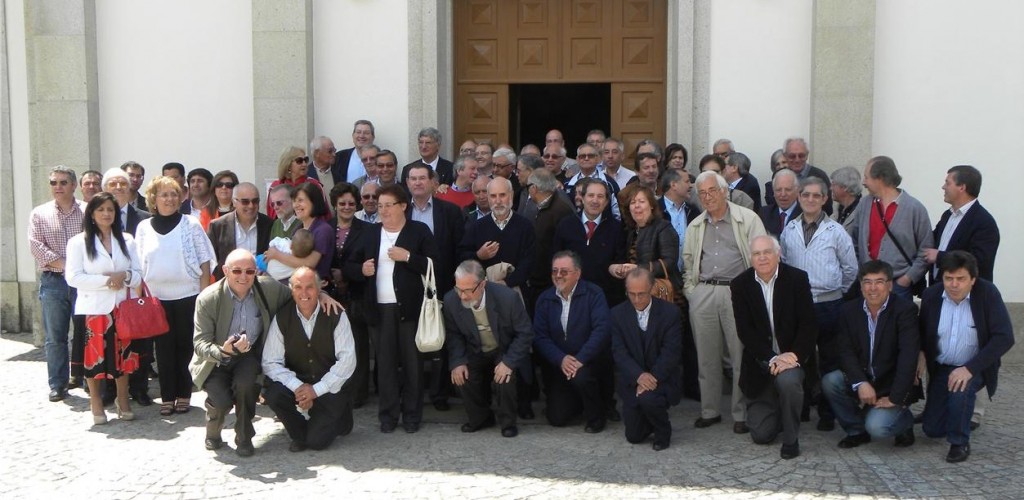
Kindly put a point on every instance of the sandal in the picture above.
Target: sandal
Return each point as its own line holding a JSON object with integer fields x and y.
{"x": 182, "y": 405}
{"x": 166, "y": 409}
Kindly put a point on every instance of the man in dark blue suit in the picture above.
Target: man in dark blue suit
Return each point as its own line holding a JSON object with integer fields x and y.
{"x": 571, "y": 334}
{"x": 647, "y": 346}
{"x": 599, "y": 247}
{"x": 966, "y": 225}
{"x": 786, "y": 187}
{"x": 966, "y": 329}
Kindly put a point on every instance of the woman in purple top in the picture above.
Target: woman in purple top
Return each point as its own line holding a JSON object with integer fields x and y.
{"x": 309, "y": 206}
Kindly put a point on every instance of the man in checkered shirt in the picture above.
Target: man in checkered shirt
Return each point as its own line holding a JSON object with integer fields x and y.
{"x": 51, "y": 225}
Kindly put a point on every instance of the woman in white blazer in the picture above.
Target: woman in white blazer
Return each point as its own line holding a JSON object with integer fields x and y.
{"x": 102, "y": 265}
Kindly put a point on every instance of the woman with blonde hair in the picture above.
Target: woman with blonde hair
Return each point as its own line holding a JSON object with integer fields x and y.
{"x": 176, "y": 259}
{"x": 292, "y": 167}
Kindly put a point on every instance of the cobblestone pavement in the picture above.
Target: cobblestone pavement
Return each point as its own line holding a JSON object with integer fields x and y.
{"x": 50, "y": 449}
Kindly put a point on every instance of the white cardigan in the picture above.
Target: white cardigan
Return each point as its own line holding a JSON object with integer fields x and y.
{"x": 88, "y": 275}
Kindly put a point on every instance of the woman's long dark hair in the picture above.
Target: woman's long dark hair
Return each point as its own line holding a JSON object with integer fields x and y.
{"x": 91, "y": 229}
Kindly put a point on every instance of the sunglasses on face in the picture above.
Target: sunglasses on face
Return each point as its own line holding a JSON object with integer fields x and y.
{"x": 226, "y": 184}
{"x": 301, "y": 160}
{"x": 793, "y": 156}
{"x": 369, "y": 197}
{"x": 279, "y": 203}
{"x": 248, "y": 201}
{"x": 237, "y": 271}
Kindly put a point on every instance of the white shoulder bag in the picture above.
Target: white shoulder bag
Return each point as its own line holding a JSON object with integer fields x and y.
{"x": 430, "y": 330}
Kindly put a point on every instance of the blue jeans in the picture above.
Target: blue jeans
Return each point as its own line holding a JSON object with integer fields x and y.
{"x": 58, "y": 301}
{"x": 948, "y": 414}
{"x": 878, "y": 422}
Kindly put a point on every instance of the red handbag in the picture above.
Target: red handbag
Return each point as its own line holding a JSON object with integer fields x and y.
{"x": 142, "y": 317}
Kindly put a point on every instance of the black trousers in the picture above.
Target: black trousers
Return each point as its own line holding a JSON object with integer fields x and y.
{"x": 480, "y": 389}
{"x": 566, "y": 399}
{"x": 439, "y": 382}
{"x": 174, "y": 349}
{"x": 330, "y": 415}
{"x": 359, "y": 384}
{"x": 233, "y": 384}
{"x": 647, "y": 414}
{"x": 395, "y": 345}
{"x": 78, "y": 345}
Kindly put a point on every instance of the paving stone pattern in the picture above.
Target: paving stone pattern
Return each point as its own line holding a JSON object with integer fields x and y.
{"x": 50, "y": 449}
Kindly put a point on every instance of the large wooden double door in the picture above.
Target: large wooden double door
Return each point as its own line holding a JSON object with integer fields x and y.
{"x": 503, "y": 42}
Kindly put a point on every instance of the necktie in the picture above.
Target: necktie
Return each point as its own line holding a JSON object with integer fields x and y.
{"x": 591, "y": 227}
{"x": 782, "y": 221}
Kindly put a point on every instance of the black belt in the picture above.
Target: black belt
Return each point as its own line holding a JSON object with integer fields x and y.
{"x": 717, "y": 282}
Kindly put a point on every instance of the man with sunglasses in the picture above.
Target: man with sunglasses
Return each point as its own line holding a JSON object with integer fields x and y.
{"x": 796, "y": 153}
{"x": 231, "y": 321}
{"x": 488, "y": 337}
{"x": 50, "y": 227}
{"x": 587, "y": 157}
{"x": 244, "y": 227}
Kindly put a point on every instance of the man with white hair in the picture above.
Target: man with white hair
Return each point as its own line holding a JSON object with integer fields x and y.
{"x": 786, "y": 187}
{"x": 796, "y": 154}
{"x": 322, "y": 154}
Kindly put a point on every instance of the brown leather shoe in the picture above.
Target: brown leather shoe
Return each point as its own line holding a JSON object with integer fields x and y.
{"x": 740, "y": 427}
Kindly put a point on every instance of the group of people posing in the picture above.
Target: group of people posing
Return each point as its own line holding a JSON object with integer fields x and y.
{"x": 662, "y": 284}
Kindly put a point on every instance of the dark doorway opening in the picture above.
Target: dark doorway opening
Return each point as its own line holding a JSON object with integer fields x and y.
{"x": 575, "y": 109}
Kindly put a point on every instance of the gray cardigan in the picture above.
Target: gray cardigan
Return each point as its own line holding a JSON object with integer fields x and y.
{"x": 911, "y": 227}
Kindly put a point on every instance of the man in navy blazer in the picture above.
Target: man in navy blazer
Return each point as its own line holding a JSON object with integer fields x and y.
{"x": 966, "y": 329}
{"x": 348, "y": 166}
{"x": 966, "y": 225}
{"x": 877, "y": 343}
{"x": 771, "y": 301}
{"x": 488, "y": 337}
{"x": 574, "y": 345}
{"x": 647, "y": 346}
{"x": 597, "y": 250}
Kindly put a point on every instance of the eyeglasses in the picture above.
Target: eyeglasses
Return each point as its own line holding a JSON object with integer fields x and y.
{"x": 709, "y": 193}
{"x": 467, "y": 151}
{"x": 463, "y": 291}
{"x": 369, "y": 197}
{"x": 302, "y": 159}
{"x": 279, "y": 203}
{"x": 586, "y": 156}
{"x": 237, "y": 271}
{"x": 793, "y": 156}
{"x": 811, "y": 196}
{"x": 561, "y": 272}
{"x": 248, "y": 201}
{"x": 229, "y": 185}
{"x": 113, "y": 183}
{"x": 62, "y": 182}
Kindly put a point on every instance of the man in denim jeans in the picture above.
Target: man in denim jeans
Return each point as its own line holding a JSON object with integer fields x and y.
{"x": 51, "y": 225}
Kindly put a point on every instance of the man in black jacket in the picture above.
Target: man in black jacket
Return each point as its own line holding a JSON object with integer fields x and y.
{"x": 878, "y": 343}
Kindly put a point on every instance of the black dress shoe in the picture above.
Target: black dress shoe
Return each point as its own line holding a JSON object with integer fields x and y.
{"x": 594, "y": 428}
{"x": 297, "y": 446}
{"x": 526, "y": 413}
{"x": 905, "y": 438}
{"x": 919, "y": 418}
{"x": 468, "y": 427}
{"x": 855, "y": 440}
{"x": 58, "y": 395}
{"x": 213, "y": 444}
{"x": 411, "y": 427}
{"x": 790, "y": 451}
{"x": 387, "y": 427}
{"x": 245, "y": 449}
{"x": 805, "y": 414}
{"x": 740, "y": 428}
{"x": 657, "y": 446}
{"x": 74, "y": 383}
{"x": 975, "y": 425}
{"x": 707, "y": 422}
{"x": 442, "y": 405}
{"x": 958, "y": 453}
{"x": 826, "y": 424}
{"x": 510, "y": 431}
{"x": 613, "y": 415}
{"x": 142, "y": 398}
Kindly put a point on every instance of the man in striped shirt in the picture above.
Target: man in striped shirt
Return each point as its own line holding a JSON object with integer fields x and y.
{"x": 820, "y": 246}
{"x": 50, "y": 227}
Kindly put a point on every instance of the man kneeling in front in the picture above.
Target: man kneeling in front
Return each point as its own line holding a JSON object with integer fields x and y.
{"x": 307, "y": 358}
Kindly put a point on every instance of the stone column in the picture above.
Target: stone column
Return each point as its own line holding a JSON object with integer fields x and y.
{"x": 688, "y": 75}
{"x": 282, "y": 79}
{"x": 63, "y": 98}
{"x": 842, "y": 83}
{"x": 11, "y": 303}
{"x": 430, "y": 73}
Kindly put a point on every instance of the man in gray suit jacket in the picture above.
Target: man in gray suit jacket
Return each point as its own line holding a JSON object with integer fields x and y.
{"x": 227, "y": 365}
{"x": 488, "y": 336}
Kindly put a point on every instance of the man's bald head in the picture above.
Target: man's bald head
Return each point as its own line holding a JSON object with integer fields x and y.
{"x": 238, "y": 257}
